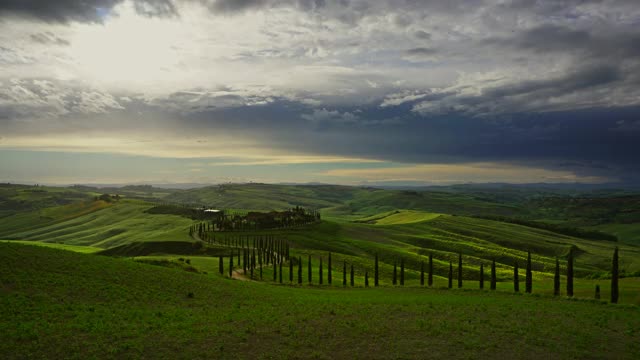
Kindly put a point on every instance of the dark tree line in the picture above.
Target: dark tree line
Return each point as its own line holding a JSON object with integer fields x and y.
{"x": 276, "y": 253}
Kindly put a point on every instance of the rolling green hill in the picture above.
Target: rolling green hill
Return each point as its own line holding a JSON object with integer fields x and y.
{"x": 398, "y": 217}
{"x": 95, "y": 223}
{"x": 614, "y": 212}
{"x": 100, "y": 307}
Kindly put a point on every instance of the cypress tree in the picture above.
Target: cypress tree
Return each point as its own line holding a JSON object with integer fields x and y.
{"x": 280, "y": 272}
{"x": 556, "y": 279}
{"x": 529, "y": 279}
{"x": 309, "y": 270}
{"x": 344, "y": 273}
{"x": 290, "y": 271}
{"x": 320, "y": 272}
{"x": 395, "y": 273}
{"x": 493, "y": 274}
{"x": 570, "y": 273}
{"x": 598, "y": 292}
{"x": 614, "y": 277}
{"x": 430, "y": 279}
{"x": 422, "y": 273}
{"x": 481, "y": 276}
{"x": 459, "y": 270}
{"x": 450, "y": 285}
{"x": 366, "y": 279}
{"x": 299, "y": 269}
{"x": 260, "y": 259}
{"x": 231, "y": 266}
{"x": 244, "y": 261}
{"x": 516, "y": 280}
{"x": 253, "y": 258}
{"x": 275, "y": 271}
{"x": 375, "y": 274}
{"x": 329, "y": 277}
{"x": 352, "y": 276}
{"x": 252, "y": 262}
{"x": 402, "y": 271}
{"x": 221, "y": 265}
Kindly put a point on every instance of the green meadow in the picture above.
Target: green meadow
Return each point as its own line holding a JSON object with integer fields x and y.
{"x": 61, "y": 304}
{"x": 90, "y": 277}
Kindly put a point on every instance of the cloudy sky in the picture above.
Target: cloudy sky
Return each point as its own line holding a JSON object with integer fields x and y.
{"x": 337, "y": 91}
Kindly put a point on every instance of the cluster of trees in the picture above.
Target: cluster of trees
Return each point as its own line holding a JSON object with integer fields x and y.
{"x": 107, "y": 197}
{"x": 252, "y": 253}
{"x": 255, "y": 220}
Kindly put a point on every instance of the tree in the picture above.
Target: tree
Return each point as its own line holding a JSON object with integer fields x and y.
{"x": 430, "y": 279}
{"x": 529, "y": 280}
{"x": 366, "y": 279}
{"x": 516, "y": 280}
{"x": 221, "y": 265}
{"x": 320, "y": 272}
{"x": 280, "y": 274}
{"x": 395, "y": 273}
{"x": 556, "y": 279}
{"x": 244, "y": 261}
{"x": 329, "y": 270}
{"x": 290, "y": 270}
{"x": 352, "y": 276}
{"x": 402, "y": 271}
{"x": 275, "y": 271}
{"x": 570, "y": 273}
{"x": 614, "y": 277}
{"x": 422, "y": 273}
{"x": 375, "y": 275}
{"x": 450, "y": 285}
{"x": 481, "y": 276}
{"x": 459, "y": 270}
{"x": 299, "y": 269}
{"x": 231, "y": 266}
{"x": 598, "y": 292}
{"x": 310, "y": 271}
{"x": 344, "y": 273}
{"x": 493, "y": 274}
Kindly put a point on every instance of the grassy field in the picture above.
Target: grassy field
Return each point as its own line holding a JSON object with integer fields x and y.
{"x": 95, "y": 223}
{"x": 397, "y": 217}
{"x": 113, "y": 308}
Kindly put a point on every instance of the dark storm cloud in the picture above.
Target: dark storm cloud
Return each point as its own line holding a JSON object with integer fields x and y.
{"x": 421, "y": 34}
{"x": 533, "y": 95}
{"x": 551, "y": 38}
{"x": 587, "y": 137}
{"x": 579, "y": 80}
{"x": 231, "y": 6}
{"x": 421, "y": 51}
{"x": 78, "y": 10}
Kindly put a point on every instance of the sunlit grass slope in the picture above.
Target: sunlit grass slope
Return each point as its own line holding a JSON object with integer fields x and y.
{"x": 95, "y": 223}
{"x": 398, "y": 217}
{"x": 60, "y": 304}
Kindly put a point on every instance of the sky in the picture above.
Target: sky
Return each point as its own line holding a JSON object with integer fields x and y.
{"x": 388, "y": 92}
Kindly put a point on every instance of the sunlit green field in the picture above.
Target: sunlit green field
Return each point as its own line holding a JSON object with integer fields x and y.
{"x": 95, "y": 223}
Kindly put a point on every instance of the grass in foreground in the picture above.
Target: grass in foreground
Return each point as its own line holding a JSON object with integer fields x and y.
{"x": 60, "y": 304}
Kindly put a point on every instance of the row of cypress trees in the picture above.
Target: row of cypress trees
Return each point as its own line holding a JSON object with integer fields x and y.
{"x": 251, "y": 261}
